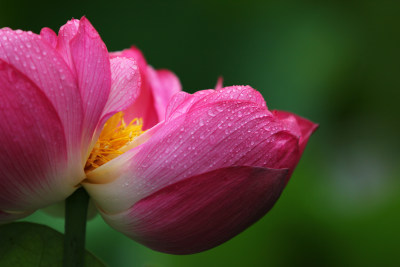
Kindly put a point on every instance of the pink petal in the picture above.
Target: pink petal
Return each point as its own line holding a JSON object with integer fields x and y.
{"x": 164, "y": 85}
{"x": 203, "y": 211}
{"x": 6, "y": 217}
{"x": 134, "y": 53}
{"x": 34, "y": 164}
{"x": 212, "y": 134}
{"x": 219, "y": 84}
{"x": 40, "y": 63}
{"x": 66, "y": 33}
{"x": 92, "y": 65}
{"x": 144, "y": 106}
{"x": 125, "y": 86}
{"x": 156, "y": 90}
{"x": 181, "y": 104}
{"x": 50, "y": 36}
{"x": 295, "y": 123}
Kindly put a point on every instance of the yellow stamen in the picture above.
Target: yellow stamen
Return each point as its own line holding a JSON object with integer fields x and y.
{"x": 115, "y": 135}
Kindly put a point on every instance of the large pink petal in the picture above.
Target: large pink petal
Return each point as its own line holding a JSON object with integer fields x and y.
{"x": 164, "y": 85}
{"x": 42, "y": 64}
{"x": 92, "y": 65}
{"x": 35, "y": 170}
{"x": 203, "y": 211}
{"x": 219, "y": 133}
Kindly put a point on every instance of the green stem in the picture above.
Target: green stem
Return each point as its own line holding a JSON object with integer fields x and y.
{"x": 76, "y": 207}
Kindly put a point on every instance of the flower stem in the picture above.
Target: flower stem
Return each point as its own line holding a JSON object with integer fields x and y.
{"x": 76, "y": 207}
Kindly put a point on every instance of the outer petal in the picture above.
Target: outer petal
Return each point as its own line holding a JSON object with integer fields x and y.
{"x": 35, "y": 171}
{"x": 217, "y": 133}
{"x": 40, "y": 63}
{"x": 176, "y": 219}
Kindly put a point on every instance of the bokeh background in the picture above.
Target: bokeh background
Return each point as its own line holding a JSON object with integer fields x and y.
{"x": 334, "y": 62}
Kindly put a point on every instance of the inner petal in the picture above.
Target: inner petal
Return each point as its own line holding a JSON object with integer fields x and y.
{"x": 116, "y": 134}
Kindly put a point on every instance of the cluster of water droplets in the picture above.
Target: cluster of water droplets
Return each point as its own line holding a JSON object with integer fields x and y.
{"x": 39, "y": 62}
{"x": 225, "y": 133}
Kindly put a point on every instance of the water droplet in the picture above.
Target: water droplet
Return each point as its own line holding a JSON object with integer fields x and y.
{"x": 219, "y": 108}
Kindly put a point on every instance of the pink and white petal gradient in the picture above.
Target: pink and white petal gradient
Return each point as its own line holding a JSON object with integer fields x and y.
{"x": 35, "y": 170}
{"x": 157, "y": 88}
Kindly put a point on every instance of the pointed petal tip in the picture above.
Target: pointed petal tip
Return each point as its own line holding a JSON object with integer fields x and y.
{"x": 304, "y": 127}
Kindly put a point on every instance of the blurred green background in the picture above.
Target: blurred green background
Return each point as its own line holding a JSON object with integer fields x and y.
{"x": 334, "y": 62}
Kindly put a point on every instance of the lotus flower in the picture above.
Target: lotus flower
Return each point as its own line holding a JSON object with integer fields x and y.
{"x": 176, "y": 172}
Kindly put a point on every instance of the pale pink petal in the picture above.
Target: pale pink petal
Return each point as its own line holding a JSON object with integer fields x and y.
{"x": 164, "y": 85}
{"x": 66, "y": 33}
{"x": 134, "y": 53}
{"x": 50, "y": 36}
{"x": 43, "y": 65}
{"x": 156, "y": 90}
{"x": 92, "y": 65}
{"x": 143, "y": 107}
{"x": 35, "y": 170}
{"x": 202, "y": 211}
{"x": 6, "y": 217}
{"x": 302, "y": 126}
{"x": 125, "y": 86}
{"x": 210, "y": 135}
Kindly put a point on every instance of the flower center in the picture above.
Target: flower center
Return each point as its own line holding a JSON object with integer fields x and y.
{"x": 115, "y": 135}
